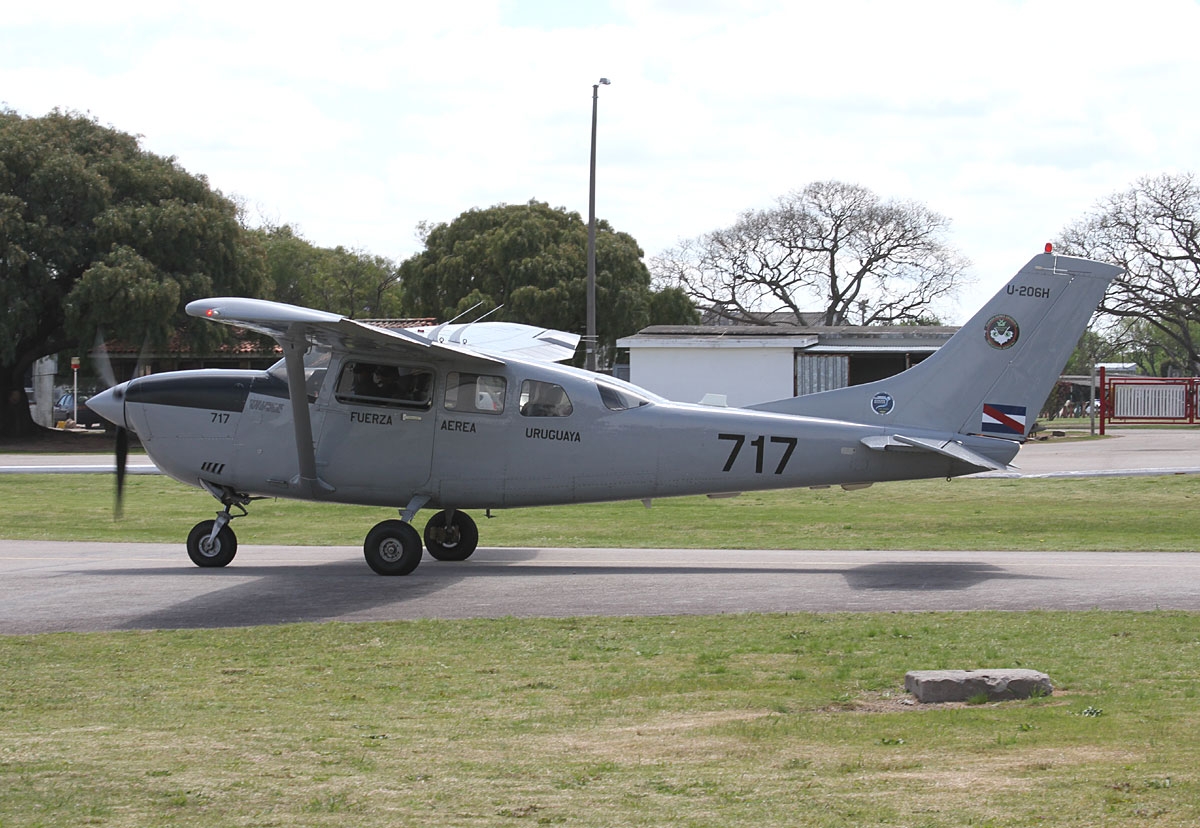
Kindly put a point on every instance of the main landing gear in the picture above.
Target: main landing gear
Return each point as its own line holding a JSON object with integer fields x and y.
{"x": 393, "y": 547}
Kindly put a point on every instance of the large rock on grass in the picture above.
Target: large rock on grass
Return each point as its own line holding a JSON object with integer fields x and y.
{"x": 932, "y": 686}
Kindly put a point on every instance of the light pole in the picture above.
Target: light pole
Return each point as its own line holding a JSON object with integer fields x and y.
{"x": 591, "y": 248}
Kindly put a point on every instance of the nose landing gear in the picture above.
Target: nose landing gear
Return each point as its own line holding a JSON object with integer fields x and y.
{"x": 211, "y": 542}
{"x": 207, "y": 547}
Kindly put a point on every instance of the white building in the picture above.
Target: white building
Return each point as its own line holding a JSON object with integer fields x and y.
{"x": 752, "y": 364}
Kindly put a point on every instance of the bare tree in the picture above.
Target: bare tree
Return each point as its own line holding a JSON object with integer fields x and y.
{"x": 832, "y": 245}
{"x": 1150, "y": 230}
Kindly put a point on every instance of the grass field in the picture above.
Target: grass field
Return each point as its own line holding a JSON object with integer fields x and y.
{"x": 1140, "y": 513}
{"x": 675, "y": 721}
{"x": 720, "y": 721}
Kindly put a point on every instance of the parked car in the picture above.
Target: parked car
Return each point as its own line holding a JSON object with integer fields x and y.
{"x": 64, "y": 409}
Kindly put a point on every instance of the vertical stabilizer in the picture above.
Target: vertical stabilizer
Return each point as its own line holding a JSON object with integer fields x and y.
{"x": 995, "y": 373}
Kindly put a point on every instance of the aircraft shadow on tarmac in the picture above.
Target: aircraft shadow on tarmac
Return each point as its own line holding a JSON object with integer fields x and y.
{"x": 329, "y": 591}
{"x": 927, "y": 576}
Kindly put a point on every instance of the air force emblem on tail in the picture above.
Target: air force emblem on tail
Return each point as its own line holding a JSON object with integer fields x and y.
{"x": 1004, "y": 420}
{"x": 1002, "y": 332}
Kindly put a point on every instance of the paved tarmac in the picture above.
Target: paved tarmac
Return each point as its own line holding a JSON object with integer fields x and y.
{"x": 50, "y": 586}
{"x": 57, "y": 586}
{"x": 1123, "y": 451}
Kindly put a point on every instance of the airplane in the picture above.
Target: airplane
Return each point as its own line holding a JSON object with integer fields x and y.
{"x": 481, "y": 416}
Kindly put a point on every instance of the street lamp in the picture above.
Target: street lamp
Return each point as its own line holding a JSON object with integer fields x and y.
{"x": 591, "y": 249}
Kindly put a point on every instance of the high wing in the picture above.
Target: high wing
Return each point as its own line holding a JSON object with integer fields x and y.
{"x": 291, "y": 323}
{"x": 482, "y": 342}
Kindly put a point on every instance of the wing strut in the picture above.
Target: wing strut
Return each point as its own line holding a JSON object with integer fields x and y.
{"x": 295, "y": 344}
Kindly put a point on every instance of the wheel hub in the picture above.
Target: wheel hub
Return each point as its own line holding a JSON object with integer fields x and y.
{"x": 391, "y": 550}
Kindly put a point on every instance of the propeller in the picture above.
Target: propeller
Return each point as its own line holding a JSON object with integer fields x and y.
{"x": 122, "y": 457}
{"x": 104, "y": 366}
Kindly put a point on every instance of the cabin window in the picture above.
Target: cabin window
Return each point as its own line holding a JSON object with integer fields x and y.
{"x": 475, "y": 393}
{"x": 368, "y": 383}
{"x": 544, "y": 399}
{"x": 620, "y": 399}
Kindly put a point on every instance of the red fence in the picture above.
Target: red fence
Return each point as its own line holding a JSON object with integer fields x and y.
{"x": 1137, "y": 400}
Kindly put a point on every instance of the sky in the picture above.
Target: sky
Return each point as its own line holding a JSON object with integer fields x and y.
{"x": 354, "y": 122}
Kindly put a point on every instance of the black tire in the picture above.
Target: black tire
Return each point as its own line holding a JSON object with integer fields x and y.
{"x": 217, "y": 553}
{"x": 393, "y": 547}
{"x": 451, "y": 539}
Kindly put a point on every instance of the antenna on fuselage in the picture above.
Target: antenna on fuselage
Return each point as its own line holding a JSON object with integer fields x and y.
{"x": 460, "y": 316}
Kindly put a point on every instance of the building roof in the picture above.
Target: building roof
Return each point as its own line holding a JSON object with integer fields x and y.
{"x": 813, "y": 339}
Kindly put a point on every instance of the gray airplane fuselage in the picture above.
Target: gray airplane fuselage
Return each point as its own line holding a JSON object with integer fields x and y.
{"x": 235, "y": 429}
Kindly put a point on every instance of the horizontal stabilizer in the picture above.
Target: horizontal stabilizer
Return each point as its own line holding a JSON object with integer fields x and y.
{"x": 947, "y": 448}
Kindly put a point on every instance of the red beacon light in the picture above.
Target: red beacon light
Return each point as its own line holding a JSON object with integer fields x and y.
{"x": 1049, "y": 247}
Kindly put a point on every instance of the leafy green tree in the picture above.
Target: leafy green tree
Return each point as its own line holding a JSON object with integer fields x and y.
{"x": 350, "y": 282}
{"x": 1093, "y": 347}
{"x": 98, "y": 234}
{"x": 292, "y": 263}
{"x": 1157, "y": 352}
{"x": 532, "y": 260}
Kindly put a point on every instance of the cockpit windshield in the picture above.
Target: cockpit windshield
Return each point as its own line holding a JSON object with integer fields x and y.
{"x": 316, "y": 363}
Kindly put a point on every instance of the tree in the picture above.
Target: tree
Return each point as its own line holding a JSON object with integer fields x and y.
{"x": 1094, "y": 347}
{"x": 98, "y": 234}
{"x": 834, "y": 245}
{"x": 1151, "y": 231}
{"x": 1157, "y": 352}
{"x": 532, "y": 260}
{"x": 350, "y": 282}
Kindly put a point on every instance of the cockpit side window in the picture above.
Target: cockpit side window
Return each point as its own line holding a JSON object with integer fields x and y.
{"x": 368, "y": 383}
{"x": 544, "y": 399}
{"x": 620, "y": 399}
{"x": 475, "y": 393}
